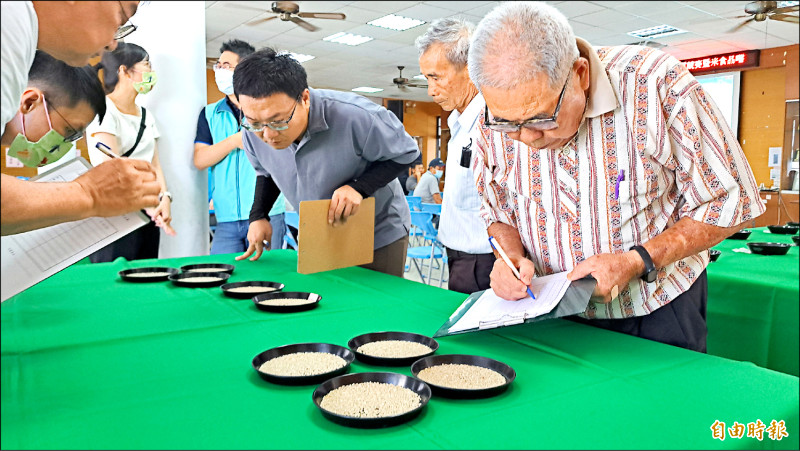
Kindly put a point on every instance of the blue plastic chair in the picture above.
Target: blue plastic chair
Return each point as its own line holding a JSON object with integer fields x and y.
{"x": 291, "y": 218}
{"x": 431, "y": 208}
{"x": 433, "y": 252}
{"x": 414, "y": 204}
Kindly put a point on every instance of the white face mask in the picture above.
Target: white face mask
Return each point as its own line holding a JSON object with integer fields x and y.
{"x": 224, "y": 79}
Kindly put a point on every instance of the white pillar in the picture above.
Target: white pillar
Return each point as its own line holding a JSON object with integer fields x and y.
{"x": 174, "y": 34}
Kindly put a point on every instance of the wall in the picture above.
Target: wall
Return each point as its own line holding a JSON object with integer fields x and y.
{"x": 762, "y": 105}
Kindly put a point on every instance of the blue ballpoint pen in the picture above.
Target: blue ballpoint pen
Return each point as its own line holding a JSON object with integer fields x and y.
{"x": 496, "y": 246}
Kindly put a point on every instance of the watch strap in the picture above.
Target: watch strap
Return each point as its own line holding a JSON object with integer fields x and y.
{"x": 649, "y": 266}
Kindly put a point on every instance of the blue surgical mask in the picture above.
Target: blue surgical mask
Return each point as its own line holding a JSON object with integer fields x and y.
{"x": 224, "y": 79}
{"x": 438, "y": 174}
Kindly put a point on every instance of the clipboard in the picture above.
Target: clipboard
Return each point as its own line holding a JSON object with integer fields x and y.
{"x": 322, "y": 247}
{"x": 575, "y": 300}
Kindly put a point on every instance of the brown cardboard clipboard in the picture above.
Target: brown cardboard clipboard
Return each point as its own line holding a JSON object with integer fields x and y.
{"x": 323, "y": 247}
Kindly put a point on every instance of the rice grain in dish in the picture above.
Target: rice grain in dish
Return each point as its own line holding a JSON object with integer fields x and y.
{"x": 370, "y": 400}
{"x": 461, "y": 376}
{"x": 394, "y": 349}
{"x": 200, "y": 279}
{"x": 302, "y": 364}
{"x": 252, "y": 289}
{"x": 148, "y": 274}
{"x": 286, "y": 301}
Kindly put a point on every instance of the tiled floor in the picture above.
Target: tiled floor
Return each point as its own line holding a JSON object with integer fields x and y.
{"x": 412, "y": 273}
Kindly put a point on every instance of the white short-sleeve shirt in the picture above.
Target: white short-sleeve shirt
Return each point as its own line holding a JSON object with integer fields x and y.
{"x": 19, "y": 33}
{"x": 125, "y": 127}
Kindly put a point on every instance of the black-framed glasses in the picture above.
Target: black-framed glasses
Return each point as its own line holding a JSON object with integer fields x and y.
{"x": 274, "y": 125}
{"x": 225, "y": 65}
{"x": 126, "y": 28}
{"x": 540, "y": 124}
{"x": 76, "y": 134}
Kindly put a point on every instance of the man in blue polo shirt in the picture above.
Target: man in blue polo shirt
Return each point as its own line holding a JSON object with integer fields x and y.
{"x": 218, "y": 147}
{"x": 320, "y": 144}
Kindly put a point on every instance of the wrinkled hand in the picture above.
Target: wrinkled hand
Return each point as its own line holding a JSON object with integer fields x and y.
{"x": 613, "y": 273}
{"x": 258, "y": 232}
{"x": 506, "y": 285}
{"x": 344, "y": 203}
{"x": 162, "y": 215}
{"x": 120, "y": 186}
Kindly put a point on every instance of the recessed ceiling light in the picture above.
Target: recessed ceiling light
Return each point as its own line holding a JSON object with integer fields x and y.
{"x": 656, "y": 32}
{"x": 419, "y": 77}
{"x": 394, "y": 22}
{"x": 347, "y": 38}
{"x": 366, "y": 89}
{"x": 301, "y": 57}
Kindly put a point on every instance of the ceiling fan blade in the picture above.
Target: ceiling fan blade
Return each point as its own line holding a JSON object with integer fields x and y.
{"x": 415, "y": 85}
{"x": 785, "y": 18}
{"x": 737, "y": 27}
{"x": 259, "y": 21}
{"x": 785, "y": 9}
{"x": 304, "y": 24}
{"x": 337, "y": 16}
{"x": 235, "y": 5}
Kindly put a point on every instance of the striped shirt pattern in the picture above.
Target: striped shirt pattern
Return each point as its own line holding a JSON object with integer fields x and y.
{"x": 649, "y": 117}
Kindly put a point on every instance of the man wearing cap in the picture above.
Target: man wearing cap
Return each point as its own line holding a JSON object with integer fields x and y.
{"x": 428, "y": 186}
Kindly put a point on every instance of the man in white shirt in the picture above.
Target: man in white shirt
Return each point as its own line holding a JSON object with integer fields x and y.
{"x": 113, "y": 188}
{"x": 443, "y": 60}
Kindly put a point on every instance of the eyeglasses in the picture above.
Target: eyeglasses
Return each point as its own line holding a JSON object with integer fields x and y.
{"x": 225, "y": 65}
{"x": 540, "y": 124}
{"x": 274, "y": 125}
{"x": 126, "y": 29}
{"x": 76, "y": 135}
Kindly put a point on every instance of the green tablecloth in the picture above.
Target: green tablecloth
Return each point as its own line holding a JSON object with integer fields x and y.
{"x": 753, "y": 303}
{"x": 92, "y": 362}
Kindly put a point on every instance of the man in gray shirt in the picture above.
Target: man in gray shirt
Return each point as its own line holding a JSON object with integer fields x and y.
{"x": 316, "y": 144}
{"x": 428, "y": 186}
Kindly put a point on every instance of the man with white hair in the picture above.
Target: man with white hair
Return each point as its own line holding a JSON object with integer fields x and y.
{"x": 443, "y": 53}
{"x": 608, "y": 161}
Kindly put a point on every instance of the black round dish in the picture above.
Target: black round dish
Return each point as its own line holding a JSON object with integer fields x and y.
{"x": 226, "y": 289}
{"x": 793, "y": 224}
{"x": 313, "y": 297}
{"x": 796, "y": 239}
{"x": 714, "y": 254}
{"x": 783, "y": 229}
{"x": 181, "y": 279}
{"x": 270, "y": 354}
{"x": 769, "y": 248}
{"x": 415, "y": 385}
{"x": 740, "y": 235}
{"x": 125, "y": 274}
{"x": 228, "y": 269}
{"x": 357, "y": 342}
{"x": 485, "y": 362}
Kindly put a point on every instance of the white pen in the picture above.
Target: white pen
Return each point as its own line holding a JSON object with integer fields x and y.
{"x": 107, "y": 151}
{"x": 496, "y": 246}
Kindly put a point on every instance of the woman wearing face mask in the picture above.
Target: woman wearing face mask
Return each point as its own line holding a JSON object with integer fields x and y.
{"x": 130, "y": 131}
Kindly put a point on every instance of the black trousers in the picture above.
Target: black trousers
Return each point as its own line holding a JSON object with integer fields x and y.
{"x": 680, "y": 323}
{"x": 140, "y": 244}
{"x": 468, "y": 272}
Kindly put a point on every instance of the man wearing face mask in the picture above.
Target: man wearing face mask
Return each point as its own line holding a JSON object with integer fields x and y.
{"x": 111, "y": 189}
{"x": 428, "y": 186}
{"x": 218, "y": 148}
{"x": 57, "y": 105}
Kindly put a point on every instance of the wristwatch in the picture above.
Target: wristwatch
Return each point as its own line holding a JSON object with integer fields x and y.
{"x": 650, "y": 271}
{"x": 165, "y": 193}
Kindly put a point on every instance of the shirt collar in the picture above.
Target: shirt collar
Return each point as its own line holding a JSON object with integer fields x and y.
{"x": 458, "y": 121}
{"x": 316, "y": 113}
{"x": 602, "y": 97}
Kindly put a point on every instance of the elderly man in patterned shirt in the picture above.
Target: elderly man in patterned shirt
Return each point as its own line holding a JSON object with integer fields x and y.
{"x": 609, "y": 161}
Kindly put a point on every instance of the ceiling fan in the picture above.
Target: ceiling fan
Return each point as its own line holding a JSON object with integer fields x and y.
{"x": 290, "y": 12}
{"x": 762, "y": 10}
{"x": 404, "y": 83}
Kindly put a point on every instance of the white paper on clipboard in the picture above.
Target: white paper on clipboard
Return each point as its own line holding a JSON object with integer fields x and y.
{"x": 30, "y": 257}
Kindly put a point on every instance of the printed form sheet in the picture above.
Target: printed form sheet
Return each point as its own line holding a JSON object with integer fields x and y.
{"x": 490, "y": 310}
{"x": 30, "y": 257}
